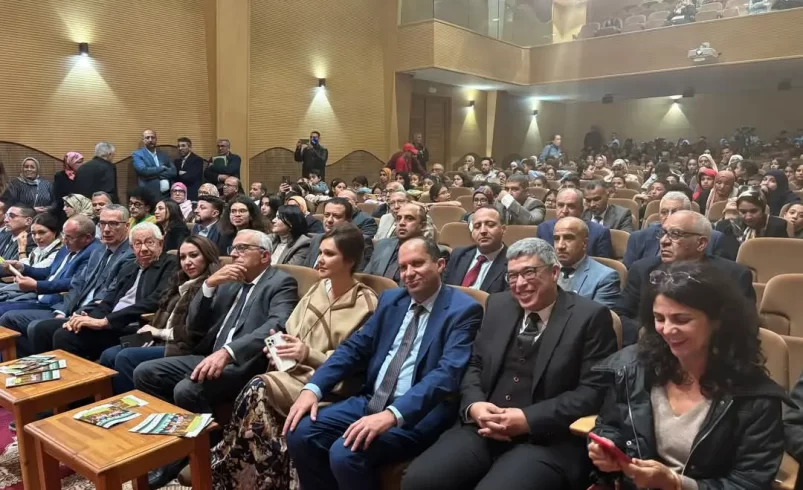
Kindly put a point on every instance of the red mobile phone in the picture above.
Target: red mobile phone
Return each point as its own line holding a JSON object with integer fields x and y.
{"x": 610, "y": 448}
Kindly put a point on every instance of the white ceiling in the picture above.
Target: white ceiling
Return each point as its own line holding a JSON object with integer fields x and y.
{"x": 703, "y": 79}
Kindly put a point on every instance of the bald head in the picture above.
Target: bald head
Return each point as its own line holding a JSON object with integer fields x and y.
{"x": 571, "y": 240}
{"x": 348, "y": 194}
{"x": 574, "y": 224}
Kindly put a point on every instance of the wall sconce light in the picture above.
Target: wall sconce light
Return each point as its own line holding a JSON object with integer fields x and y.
{"x": 83, "y": 49}
{"x": 471, "y": 103}
{"x": 321, "y": 83}
{"x": 535, "y": 113}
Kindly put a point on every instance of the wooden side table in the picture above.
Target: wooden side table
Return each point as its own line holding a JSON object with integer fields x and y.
{"x": 8, "y": 343}
{"x": 79, "y": 380}
{"x": 110, "y": 457}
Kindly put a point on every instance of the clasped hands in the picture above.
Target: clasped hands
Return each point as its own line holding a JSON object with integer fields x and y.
{"x": 644, "y": 473}
{"x": 499, "y": 424}
{"x": 79, "y": 321}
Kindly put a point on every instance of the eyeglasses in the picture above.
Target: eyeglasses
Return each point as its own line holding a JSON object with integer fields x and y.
{"x": 71, "y": 238}
{"x": 659, "y": 277}
{"x": 13, "y": 215}
{"x": 480, "y": 201}
{"x": 674, "y": 234}
{"x": 110, "y": 224}
{"x": 528, "y": 273}
{"x": 136, "y": 205}
{"x": 244, "y": 247}
{"x": 150, "y": 243}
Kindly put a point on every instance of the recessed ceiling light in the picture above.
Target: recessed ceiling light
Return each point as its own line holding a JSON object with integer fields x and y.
{"x": 675, "y": 97}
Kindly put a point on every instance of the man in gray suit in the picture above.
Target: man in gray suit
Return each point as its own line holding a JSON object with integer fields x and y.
{"x": 580, "y": 273}
{"x": 410, "y": 222}
{"x": 231, "y": 316}
{"x": 516, "y": 207}
{"x": 599, "y": 211}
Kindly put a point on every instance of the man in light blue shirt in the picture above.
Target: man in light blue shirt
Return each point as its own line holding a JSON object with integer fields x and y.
{"x": 413, "y": 352}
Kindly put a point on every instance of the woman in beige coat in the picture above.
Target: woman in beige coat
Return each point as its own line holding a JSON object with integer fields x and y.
{"x": 253, "y": 453}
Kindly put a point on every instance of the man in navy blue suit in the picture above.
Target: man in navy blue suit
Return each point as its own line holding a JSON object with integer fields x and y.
{"x": 153, "y": 168}
{"x": 413, "y": 351}
{"x": 570, "y": 203}
{"x": 645, "y": 243}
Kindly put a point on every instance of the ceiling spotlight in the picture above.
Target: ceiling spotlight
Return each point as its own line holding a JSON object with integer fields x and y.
{"x": 471, "y": 103}
{"x": 83, "y": 49}
{"x": 676, "y": 97}
{"x": 321, "y": 83}
{"x": 535, "y": 113}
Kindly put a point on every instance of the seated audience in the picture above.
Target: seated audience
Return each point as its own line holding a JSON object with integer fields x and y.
{"x": 704, "y": 188}
{"x": 207, "y": 221}
{"x": 409, "y": 393}
{"x": 646, "y": 242}
{"x": 197, "y": 258}
{"x": 487, "y": 171}
{"x": 483, "y": 265}
{"x": 100, "y": 200}
{"x": 570, "y": 203}
{"x": 208, "y": 190}
{"x": 383, "y": 208}
{"x": 77, "y": 204}
{"x": 45, "y": 233}
{"x": 332, "y": 310}
{"x": 178, "y": 193}
{"x": 794, "y": 215}
{"x": 580, "y": 273}
{"x": 230, "y": 190}
{"x": 516, "y": 206}
{"x": 550, "y": 199}
{"x": 655, "y": 192}
{"x": 269, "y": 205}
{"x": 467, "y": 167}
{"x": 439, "y": 195}
{"x": 723, "y": 189}
{"x": 137, "y": 290}
{"x": 684, "y": 236}
{"x": 98, "y": 174}
{"x": 232, "y": 315}
{"x": 257, "y": 192}
{"x": 745, "y": 171}
{"x": 30, "y": 190}
{"x": 313, "y": 225}
{"x": 240, "y": 214}
{"x": 15, "y": 244}
{"x": 170, "y": 220}
{"x": 752, "y": 222}
{"x": 598, "y": 210}
{"x": 318, "y": 186}
{"x": 387, "y": 223}
{"x": 190, "y": 172}
{"x": 410, "y": 223}
{"x": 776, "y": 186}
{"x": 88, "y": 287}
{"x": 692, "y": 403}
{"x": 483, "y": 196}
{"x": 141, "y": 202}
{"x": 529, "y": 377}
{"x": 364, "y": 221}
{"x": 289, "y": 240}
{"x": 460, "y": 179}
{"x": 335, "y": 211}
{"x": 40, "y": 287}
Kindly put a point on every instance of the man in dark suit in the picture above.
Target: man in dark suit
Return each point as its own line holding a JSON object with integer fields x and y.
{"x": 137, "y": 290}
{"x": 570, "y": 203}
{"x": 481, "y": 266}
{"x": 153, "y": 168}
{"x": 86, "y": 287}
{"x": 410, "y": 222}
{"x": 599, "y": 211}
{"x": 645, "y": 243}
{"x": 189, "y": 168}
{"x": 207, "y": 216}
{"x": 98, "y": 174}
{"x": 412, "y": 351}
{"x": 364, "y": 221}
{"x": 529, "y": 378}
{"x": 226, "y": 164}
{"x": 685, "y": 236}
{"x": 312, "y": 155}
{"x": 335, "y": 211}
{"x": 423, "y": 152}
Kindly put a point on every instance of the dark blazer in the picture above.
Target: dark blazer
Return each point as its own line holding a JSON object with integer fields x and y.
{"x": 578, "y": 335}
{"x": 429, "y": 406}
{"x": 460, "y": 262}
{"x": 148, "y": 174}
{"x": 599, "y": 238}
{"x": 80, "y": 286}
{"x": 366, "y": 223}
{"x": 381, "y": 263}
{"x": 215, "y": 236}
{"x": 638, "y": 280}
{"x": 312, "y": 158}
{"x": 776, "y": 228}
{"x": 194, "y": 166}
{"x": 97, "y": 175}
{"x": 313, "y": 224}
{"x": 62, "y": 187}
{"x": 150, "y": 287}
{"x": 315, "y": 250}
{"x": 644, "y": 243}
{"x": 52, "y": 289}
{"x": 174, "y": 236}
{"x": 614, "y": 218}
{"x": 231, "y": 169}
{"x": 268, "y": 308}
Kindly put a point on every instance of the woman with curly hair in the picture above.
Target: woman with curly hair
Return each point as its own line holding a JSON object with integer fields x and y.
{"x": 691, "y": 404}
{"x": 240, "y": 214}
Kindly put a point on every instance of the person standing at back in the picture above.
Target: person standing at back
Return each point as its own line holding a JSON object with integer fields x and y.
{"x": 98, "y": 174}
{"x": 222, "y": 166}
{"x": 190, "y": 168}
{"x": 153, "y": 168}
{"x": 312, "y": 155}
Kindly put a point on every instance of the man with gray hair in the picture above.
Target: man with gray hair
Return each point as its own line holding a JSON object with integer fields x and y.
{"x": 528, "y": 378}
{"x": 569, "y": 202}
{"x": 137, "y": 290}
{"x": 516, "y": 207}
{"x": 223, "y": 165}
{"x": 683, "y": 236}
{"x": 98, "y": 174}
{"x": 645, "y": 243}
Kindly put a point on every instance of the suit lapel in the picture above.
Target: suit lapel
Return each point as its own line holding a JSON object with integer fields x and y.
{"x": 561, "y": 313}
{"x": 608, "y": 220}
{"x": 581, "y": 275}
{"x": 503, "y": 332}
{"x": 497, "y": 269}
{"x": 462, "y": 267}
{"x": 255, "y": 294}
{"x": 436, "y": 319}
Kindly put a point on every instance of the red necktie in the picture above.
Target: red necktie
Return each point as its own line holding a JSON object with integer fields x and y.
{"x": 474, "y": 273}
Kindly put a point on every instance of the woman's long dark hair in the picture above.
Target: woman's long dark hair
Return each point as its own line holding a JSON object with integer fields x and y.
{"x": 734, "y": 352}
{"x": 255, "y": 216}
{"x": 294, "y": 219}
{"x": 211, "y": 257}
{"x": 175, "y": 217}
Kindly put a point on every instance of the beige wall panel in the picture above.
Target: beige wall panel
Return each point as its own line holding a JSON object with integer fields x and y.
{"x": 518, "y": 132}
{"x": 147, "y": 68}
{"x": 415, "y": 46}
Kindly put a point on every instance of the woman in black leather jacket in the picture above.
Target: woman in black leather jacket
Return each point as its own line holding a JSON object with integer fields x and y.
{"x": 691, "y": 403}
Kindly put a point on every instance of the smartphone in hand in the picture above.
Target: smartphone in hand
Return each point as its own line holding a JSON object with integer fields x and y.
{"x": 610, "y": 448}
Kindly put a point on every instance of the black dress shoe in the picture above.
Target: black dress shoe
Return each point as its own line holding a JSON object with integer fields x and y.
{"x": 160, "y": 477}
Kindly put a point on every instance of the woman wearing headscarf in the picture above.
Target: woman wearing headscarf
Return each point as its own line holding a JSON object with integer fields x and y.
{"x": 313, "y": 224}
{"x": 776, "y": 185}
{"x": 707, "y": 160}
{"x": 178, "y": 193}
{"x": 208, "y": 190}
{"x": 705, "y": 183}
{"x": 64, "y": 182}
{"x": 29, "y": 190}
{"x": 483, "y": 196}
{"x": 77, "y": 204}
{"x": 724, "y": 189}
{"x": 752, "y": 221}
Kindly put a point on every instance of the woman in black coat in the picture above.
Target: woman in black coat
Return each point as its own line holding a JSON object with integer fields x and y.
{"x": 171, "y": 221}
{"x": 64, "y": 183}
{"x": 753, "y": 221}
{"x": 691, "y": 404}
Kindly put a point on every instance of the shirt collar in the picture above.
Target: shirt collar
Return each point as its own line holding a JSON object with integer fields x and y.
{"x": 576, "y": 265}
{"x": 206, "y": 228}
{"x": 255, "y": 281}
{"x": 429, "y": 302}
{"x": 490, "y": 256}
{"x": 543, "y": 314}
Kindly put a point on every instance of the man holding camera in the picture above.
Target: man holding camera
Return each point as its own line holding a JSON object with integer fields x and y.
{"x": 312, "y": 155}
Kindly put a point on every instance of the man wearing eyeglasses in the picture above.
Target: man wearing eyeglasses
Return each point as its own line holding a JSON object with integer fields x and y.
{"x": 528, "y": 378}
{"x": 137, "y": 290}
{"x": 231, "y": 187}
{"x": 87, "y": 287}
{"x": 17, "y": 221}
{"x": 684, "y": 235}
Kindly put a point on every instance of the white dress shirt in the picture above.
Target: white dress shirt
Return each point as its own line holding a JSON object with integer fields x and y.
{"x": 485, "y": 267}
